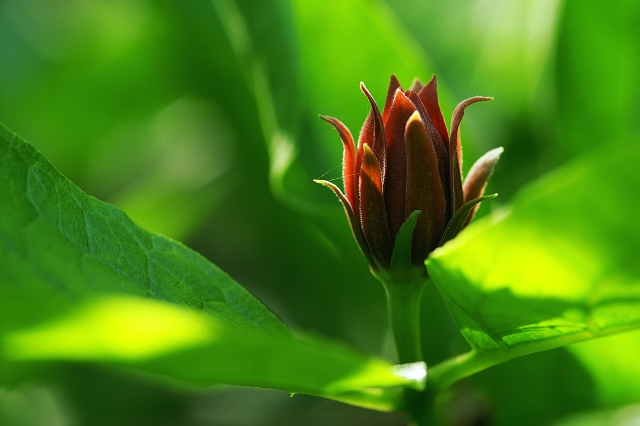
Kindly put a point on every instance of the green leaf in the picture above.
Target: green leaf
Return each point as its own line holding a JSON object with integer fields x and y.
{"x": 401, "y": 257}
{"x": 559, "y": 268}
{"x": 181, "y": 344}
{"x": 617, "y": 380}
{"x": 460, "y": 217}
{"x": 70, "y": 266}
{"x": 59, "y": 245}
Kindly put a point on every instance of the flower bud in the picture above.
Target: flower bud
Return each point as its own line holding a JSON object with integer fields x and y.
{"x": 403, "y": 191}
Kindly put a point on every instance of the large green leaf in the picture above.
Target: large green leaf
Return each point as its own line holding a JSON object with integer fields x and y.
{"x": 60, "y": 249}
{"x": 60, "y": 245}
{"x": 559, "y": 268}
{"x": 181, "y": 344}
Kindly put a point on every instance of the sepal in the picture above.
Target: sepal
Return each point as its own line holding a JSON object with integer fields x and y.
{"x": 459, "y": 220}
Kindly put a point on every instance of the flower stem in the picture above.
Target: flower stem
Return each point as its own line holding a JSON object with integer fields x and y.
{"x": 403, "y": 302}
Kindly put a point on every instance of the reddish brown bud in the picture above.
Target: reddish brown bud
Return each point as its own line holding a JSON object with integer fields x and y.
{"x": 406, "y": 162}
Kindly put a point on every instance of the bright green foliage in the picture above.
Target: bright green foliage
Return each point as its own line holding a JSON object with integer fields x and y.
{"x": 164, "y": 109}
{"x": 61, "y": 249}
{"x": 200, "y": 349}
{"x": 60, "y": 245}
{"x": 560, "y": 267}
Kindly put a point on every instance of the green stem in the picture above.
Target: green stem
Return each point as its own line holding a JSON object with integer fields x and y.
{"x": 403, "y": 301}
{"x": 404, "y": 295}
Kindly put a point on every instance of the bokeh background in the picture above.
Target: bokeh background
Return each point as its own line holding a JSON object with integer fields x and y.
{"x": 199, "y": 119}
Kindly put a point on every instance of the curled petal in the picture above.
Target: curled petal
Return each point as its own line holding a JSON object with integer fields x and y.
{"x": 373, "y": 216}
{"x": 429, "y": 97}
{"x": 424, "y": 189}
{"x": 348, "y": 158}
{"x": 395, "y": 192}
{"x": 476, "y": 180}
{"x": 394, "y": 85}
{"x": 455, "y": 152}
{"x": 353, "y": 224}
{"x": 373, "y": 132}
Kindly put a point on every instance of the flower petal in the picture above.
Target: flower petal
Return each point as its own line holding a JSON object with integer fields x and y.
{"x": 373, "y": 216}
{"x": 348, "y": 158}
{"x": 477, "y": 178}
{"x": 353, "y": 224}
{"x": 394, "y": 85}
{"x": 395, "y": 187}
{"x": 429, "y": 97}
{"x": 416, "y": 85}
{"x": 372, "y": 132}
{"x": 425, "y": 191}
{"x": 439, "y": 145}
{"x": 455, "y": 152}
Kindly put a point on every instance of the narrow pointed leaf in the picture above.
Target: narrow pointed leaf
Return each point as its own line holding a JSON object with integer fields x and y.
{"x": 373, "y": 216}
{"x": 424, "y": 189}
{"x": 460, "y": 219}
{"x": 395, "y": 188}
{"x": 348, "y": 158}
{"x": 401, "y": 258}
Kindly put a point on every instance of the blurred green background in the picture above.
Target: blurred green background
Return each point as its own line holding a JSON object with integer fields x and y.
{"x": 199, "y": 119}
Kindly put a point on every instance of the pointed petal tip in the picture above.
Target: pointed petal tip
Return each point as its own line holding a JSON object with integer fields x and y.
{"x": 328, "y": 119}
{"x": 325, "y": 118}
{"x": 326, "y": 183}
{"x": 494, "y": 154}
{"x": 366, "y": 91}
{"x": 416, "y": 85}
{"x": 366, "y": 148}
{"x": 414, "y": 117}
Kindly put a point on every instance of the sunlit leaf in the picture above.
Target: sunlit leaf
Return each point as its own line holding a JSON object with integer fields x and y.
{"x": 559, "y": 268}
{"x": 179, "y": 343}
{"x": 61, "y": 248}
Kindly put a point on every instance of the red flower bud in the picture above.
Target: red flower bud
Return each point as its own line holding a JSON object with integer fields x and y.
{"x": 403, "y": 184}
